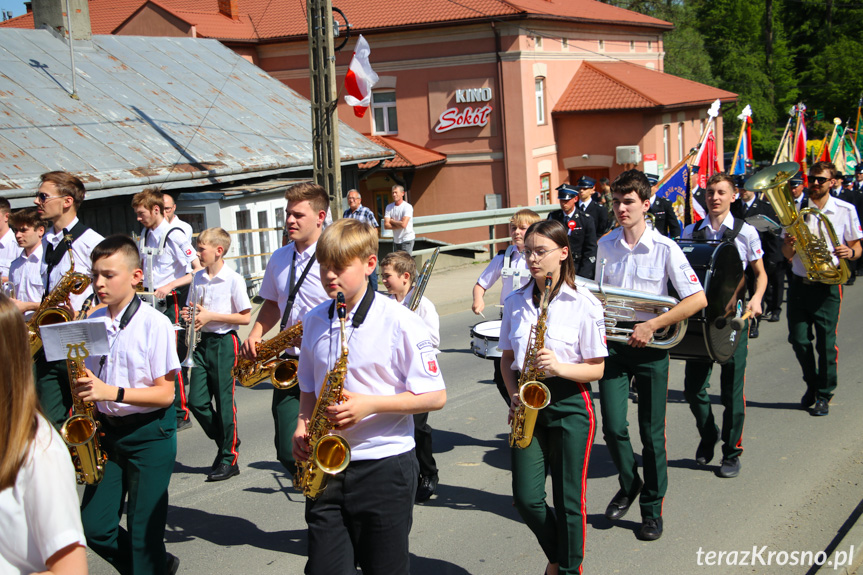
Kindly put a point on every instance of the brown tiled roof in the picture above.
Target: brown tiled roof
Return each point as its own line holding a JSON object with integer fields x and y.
{"x": 267, "y": 19}
{"x": 624, "y": 86}
{"x": 407, "y": 155}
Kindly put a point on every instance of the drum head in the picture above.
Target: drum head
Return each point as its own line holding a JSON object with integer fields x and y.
{"x": 487, "y": 329}
{"x": 723, "y": 278}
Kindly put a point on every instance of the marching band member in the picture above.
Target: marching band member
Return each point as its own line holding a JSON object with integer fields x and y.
{"x": 9, "y": 249}
{"x": 40, "y": 530}
{"x": 171, "y": 216}
{"x": 170, "y": 258}
{"x": 58, "y": 200}
{"x": 640, "y": 258}
{"x": 511, "y": 268}
{"x": 133, "y": 389}
{"x": 813, "y": 305}
{"x": 399, "y": 273}
{"x": 225, "y": 308}
{"x": 721, "y": 225}
{"x": 364, "y": 515}
{"x": 572, "y": 357}
{"x": 581, "y": 227}
{"x": 290, "y": 288}
{"x": 25, "y": 273}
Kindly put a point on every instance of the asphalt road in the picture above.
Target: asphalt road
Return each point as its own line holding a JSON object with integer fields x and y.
{"x": 800, "y": 482}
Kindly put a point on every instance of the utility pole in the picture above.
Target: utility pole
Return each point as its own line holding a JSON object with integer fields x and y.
{"x": 325, "y": 115}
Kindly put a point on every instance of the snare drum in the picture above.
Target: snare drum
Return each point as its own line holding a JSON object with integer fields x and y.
{"x": 484, "y": 338}
{"x": 720, "y": 271}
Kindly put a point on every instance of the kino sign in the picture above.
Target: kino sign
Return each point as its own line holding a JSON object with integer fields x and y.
{"x": 453, "y": 118}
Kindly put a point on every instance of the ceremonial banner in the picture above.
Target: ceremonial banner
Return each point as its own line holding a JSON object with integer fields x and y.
{"x": 360, "y": 79}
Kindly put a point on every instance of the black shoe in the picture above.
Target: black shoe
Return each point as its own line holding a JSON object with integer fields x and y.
{"x": 775, "y": 316}
{"x": 765, "y": 316}
{"x": 730, "y": 467}
{"x": 753, "y": 328}
{"x": 619, "y": 505}
{"x": 172, "y": 564}
{"x": 223, "y": 471}
{"x": 808, "y": 399}
{"x": 850, "y": 281}
{"x": 216, "y": 461}
{"x": 425, "y": 488}
{"x": 820, "y": 408}
{"x": 650, "y": 530}
{"x": 706, "y": 448}
{"x": 183, "y": 424}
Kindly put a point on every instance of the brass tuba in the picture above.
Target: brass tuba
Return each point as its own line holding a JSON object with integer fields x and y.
{"x": 81, "y": 431}
{"x": 532, "y": 393}
{"x": 267, "y": 365}
{"x": 815, "y": 252}
{"x": 329, "y": 454}
{"x": 54, "y": 308}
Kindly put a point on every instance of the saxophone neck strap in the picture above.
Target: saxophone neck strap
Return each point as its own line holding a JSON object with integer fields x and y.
{"x": 54, "y": 255}
{"x": 362, "y": 309}
{"x": 296, "y": 288}
{"x": 127, "y": 316}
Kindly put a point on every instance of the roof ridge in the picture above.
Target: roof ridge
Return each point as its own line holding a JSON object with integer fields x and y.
{"x": 621, "y": 82}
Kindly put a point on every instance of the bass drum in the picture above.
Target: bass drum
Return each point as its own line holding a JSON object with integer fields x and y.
{"x": 720, "y": 271}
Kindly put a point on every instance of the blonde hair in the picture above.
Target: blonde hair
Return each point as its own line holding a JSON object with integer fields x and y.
{"x": 345, "y": 240}
{"x": 215, "y": 237}
{"x": 524, "y": 216}
{"x": 149, "y": 198}
{"x": 19, "y": 406}
{"x": 310, "y": 192}
{"x": 402, "y": 263}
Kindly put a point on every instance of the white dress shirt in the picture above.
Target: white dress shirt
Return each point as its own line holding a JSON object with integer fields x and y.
{"x": 394, "y": 212}
{"x": 81, "y": 250}
{"x": 186, "y": 227}
{"x": 512, "y": 278}
{"x": 843, "y": 217}
{"x": 747, "y": 242}
{"x": 26, "y": 275}
{"x": 174, "y": 262}
{"x": 427, "y": 312}
{"x": 9, "y": 250}
{"x": 224, "y": 293}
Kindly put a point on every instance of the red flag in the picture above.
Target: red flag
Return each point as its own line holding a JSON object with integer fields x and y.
{"x": 360, "y": 79}
{"x": 825, "y": 152}
{"x": 800, "y": 142}
{"x": 706, "y": 159}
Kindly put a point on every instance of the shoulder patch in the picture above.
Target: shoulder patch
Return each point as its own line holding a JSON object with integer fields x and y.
{"x": 425, "y": 344}
{"x": 430, "y": 366}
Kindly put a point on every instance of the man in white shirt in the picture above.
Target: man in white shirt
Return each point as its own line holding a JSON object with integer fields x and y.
{"x": 9, "y": 249}
{"x": 25, "y": 273}
{"x": 399, "y": 217}
{"x": 171, "y": 216}
{"x": 721, "y": 225}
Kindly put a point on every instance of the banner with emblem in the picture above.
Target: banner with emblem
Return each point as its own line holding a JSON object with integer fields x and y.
{"x": 674, "y": 186}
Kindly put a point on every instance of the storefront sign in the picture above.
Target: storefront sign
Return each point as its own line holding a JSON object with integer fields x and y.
{"x": 453, "y": 118}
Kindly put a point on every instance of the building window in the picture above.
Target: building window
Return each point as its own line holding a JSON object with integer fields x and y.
{"x": 264, "y": 238}
{"x": 537, "y": 42}
{"x": 601, "y": 45}
{"x": 665, "y": 146}
{"x": 244, "y": 222}
{"x": 564, "y": 44}
{"x": 680, "y": 147}
{"x": 540, "y": 101}
{"x": 280, "y": 218}
{"x": 544, "y": 189}
{"x": 384, "y": 113}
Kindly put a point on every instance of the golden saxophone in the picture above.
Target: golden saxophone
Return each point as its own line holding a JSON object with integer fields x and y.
{"x": 267, "y": 365}
{"x": 81, "y": 431}
{"x": 815, "y": 253}
{"x": 55, "y": 307}
{"x": 329, "y": 454}
{"x": 533, "y": 394}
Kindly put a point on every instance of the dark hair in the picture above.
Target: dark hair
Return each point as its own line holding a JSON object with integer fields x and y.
{"x": 117, "y": 243}
{"x": 828, "y": 167}
{"x": 5, "y": 206}
{"x": 722, "y": 177}
{"x": 632, "y": 181}
{"x": 149, "y": 198}
{"x": 310, "y": 192}
{"x": 556, "y": 232}
{"x": 402, "y": 263}
{"x": 27, "y": 217}
{"x": 67, "y": 185}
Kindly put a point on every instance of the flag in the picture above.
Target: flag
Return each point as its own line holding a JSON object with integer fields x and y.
{"x": 743, "y": 153}
{"x": 675, "y": 186}
{"x": 705, "y": 164}
{"x": 859, "y": 125}
{"x": 824, "y": 152}
{"x": 799, "y": 148}
{"x": 360, "y": 79}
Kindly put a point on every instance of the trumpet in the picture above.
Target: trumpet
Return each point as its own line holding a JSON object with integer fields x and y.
{"x": 193, "y": 336}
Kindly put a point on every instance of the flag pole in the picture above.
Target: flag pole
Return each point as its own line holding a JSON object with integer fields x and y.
{"x": 783, "y": 139}
{"x": 737, "y": 149}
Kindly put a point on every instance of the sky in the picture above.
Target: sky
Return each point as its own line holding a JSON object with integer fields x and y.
{"x": 15, "y": 6}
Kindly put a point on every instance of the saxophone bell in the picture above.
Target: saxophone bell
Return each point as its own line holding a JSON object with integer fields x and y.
{"x": 267, "y": 365}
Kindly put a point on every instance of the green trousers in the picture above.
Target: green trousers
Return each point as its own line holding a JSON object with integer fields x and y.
{"x": 172, "y": 312}
{"x": 286, "y": 409}
{"x": 814, "y": 307}
{"x": 561, "y": 445}
{"x": 211, "y": 391}
{"x": 731, "y": 383}
{"x": 140, "y": 461}
{"x": 650, "y": 368}
{"x": 52, "y": 388}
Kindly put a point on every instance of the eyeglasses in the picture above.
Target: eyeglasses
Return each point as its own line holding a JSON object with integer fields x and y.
{"x": 43, "y": 197}
{"x": 539, "y": 253}
{"x": 818, "y": 180}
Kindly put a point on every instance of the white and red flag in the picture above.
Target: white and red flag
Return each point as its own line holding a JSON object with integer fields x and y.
{"x": 360, "y": 79}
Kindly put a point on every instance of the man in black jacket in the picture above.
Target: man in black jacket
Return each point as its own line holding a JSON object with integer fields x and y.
{"x": 581, "y": 230}
{"x": 665, "y": 220}
{"x": 587, "y": 204}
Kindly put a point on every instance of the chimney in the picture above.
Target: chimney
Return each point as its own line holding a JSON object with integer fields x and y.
{"x": 28, "y": 6}
{"x": 229, "y": 8}
{"x": 52, "y": 14}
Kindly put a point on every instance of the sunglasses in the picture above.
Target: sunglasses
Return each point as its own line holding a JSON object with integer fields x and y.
{"x": 43, "y": 197}
{"x": 818, "y": 180}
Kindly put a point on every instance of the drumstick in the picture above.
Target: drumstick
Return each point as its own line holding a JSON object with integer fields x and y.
{"x": 736, "y": 323}
{"x": 482, "y": 314}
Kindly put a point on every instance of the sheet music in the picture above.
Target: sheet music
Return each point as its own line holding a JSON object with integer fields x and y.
{"x": 56, "y": 337}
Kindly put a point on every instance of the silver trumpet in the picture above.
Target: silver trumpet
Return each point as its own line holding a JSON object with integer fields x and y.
{"x": 8, "y": 289}
{"x": 193, "y": 336}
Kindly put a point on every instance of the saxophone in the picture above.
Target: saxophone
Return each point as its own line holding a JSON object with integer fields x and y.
{"x": 533, "y": 394}
{"x": 55, "y": 307}
{"x": 267, "y": 365}
{"x": 329, "y": 454}
{"x": 81, "y": 431}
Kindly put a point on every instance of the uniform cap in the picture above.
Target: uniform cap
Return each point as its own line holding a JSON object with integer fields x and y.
{"x": 566, "y": 192}
{"x": 652, "y": 178}
{"x": 585, "y": 182}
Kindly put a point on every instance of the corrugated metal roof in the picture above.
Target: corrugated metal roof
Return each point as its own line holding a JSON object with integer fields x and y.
{"x": 181, "y": 111}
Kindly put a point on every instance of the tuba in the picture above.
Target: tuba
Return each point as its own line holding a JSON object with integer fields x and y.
{"x": 533, "y": 394}
{"x": 54, "y": 308}
{"x": 329, "y": 454}
{"x": 267, "y": 365}
{"x": 81, "y": 431}
{"x": 816, "y": 252}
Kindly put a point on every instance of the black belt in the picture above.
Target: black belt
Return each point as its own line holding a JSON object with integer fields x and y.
{"x": 133, "y": 419}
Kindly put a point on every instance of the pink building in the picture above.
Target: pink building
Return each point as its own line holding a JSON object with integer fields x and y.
{"x": 487, "y": 103}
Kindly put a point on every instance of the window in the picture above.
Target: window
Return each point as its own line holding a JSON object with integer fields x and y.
{"x": 544, "y": 189}
{"x": 537, "y": 42}
{"x": 666, "y": 159}
{"x": 384, "y": 111}
{"x": 540, "y": 101}
{"x": 680, "y": 147}
{"x": 244, "y": 222}
{"x": 601, "y": 45}
{"x": 280, "y": 219}
{"x": 264, "y": 238}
